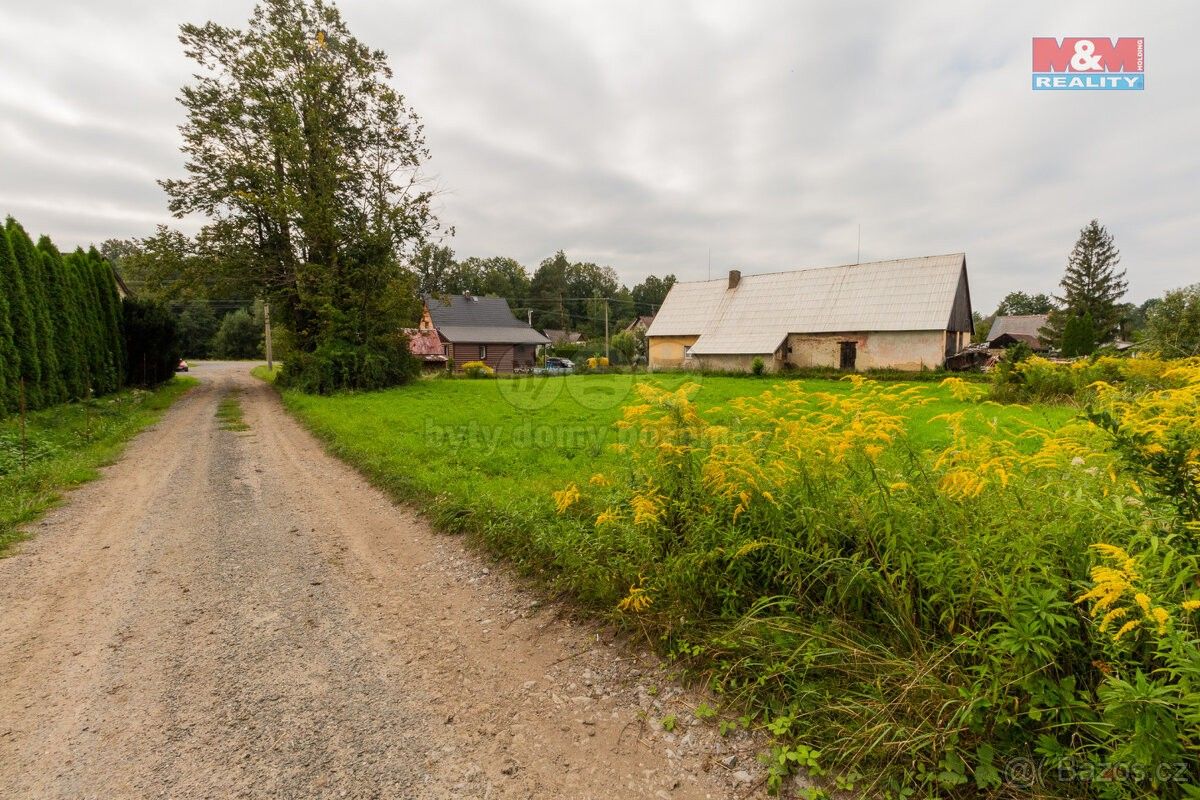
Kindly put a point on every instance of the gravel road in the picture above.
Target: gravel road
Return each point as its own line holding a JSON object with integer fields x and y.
{"x": 238, "y": 614}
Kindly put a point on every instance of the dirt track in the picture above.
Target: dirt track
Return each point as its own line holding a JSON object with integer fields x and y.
{"x": 237, "y": 614}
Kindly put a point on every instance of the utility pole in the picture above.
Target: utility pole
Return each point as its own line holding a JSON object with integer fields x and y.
{"x": 606, "y": 327}
{"x": 267, "y": 335}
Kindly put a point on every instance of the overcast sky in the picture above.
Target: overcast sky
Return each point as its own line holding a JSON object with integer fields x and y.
{"x": 645, "y": 135}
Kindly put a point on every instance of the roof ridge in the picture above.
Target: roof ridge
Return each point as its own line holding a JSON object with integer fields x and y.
{"x": 830, "y": 266}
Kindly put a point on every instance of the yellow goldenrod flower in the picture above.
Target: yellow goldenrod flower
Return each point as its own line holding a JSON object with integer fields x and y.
{"x": 1126, "y": 628}
{"x": 637, "y": 600}
{"x": 566, "y": 498}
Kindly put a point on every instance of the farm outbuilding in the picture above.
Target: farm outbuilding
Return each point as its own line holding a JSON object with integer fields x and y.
{"x": 1025, "y": 328}
{"x": 904, "y": 314}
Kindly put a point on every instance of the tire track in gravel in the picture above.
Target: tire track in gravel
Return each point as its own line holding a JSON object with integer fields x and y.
{"x": 238, "y": 614}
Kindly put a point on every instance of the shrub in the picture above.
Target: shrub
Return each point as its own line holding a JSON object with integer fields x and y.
{"x": 927, "y": 614}
{"x": 151, "y": 342}
{"x": 238, "y": 336}
{"x": 626, "y": 345}
{"x": 757, "y": 366}
{"x": 338, "y": 365}
{"x": 477, "y": 369}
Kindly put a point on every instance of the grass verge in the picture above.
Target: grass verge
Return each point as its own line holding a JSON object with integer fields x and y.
{"x": 229, "y": 412}
{"x": 65, "y": 446}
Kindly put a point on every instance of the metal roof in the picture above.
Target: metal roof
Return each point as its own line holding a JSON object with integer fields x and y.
{"x": 483, "y": 320}
{"x": 1018, "y": 325}
{"x": 425, "y": 345}
{"x": 910, "y": 294}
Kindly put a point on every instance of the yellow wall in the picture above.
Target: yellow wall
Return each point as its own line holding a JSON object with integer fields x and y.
{"x": 667, "y": 351}
{"x": 904, "y": 350}
{"x": 907, "y": 350}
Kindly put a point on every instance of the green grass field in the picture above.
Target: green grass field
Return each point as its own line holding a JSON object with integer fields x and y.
{"x": 65, "y": 446}
{"x": 496, "y": 446}
{"x": 907, "y": 603}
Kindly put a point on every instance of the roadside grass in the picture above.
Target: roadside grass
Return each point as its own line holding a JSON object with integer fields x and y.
{"x": 229, "y": 412}
{"x": 263, "y": 373}
{"x": 889, "y": 578}
{"x": 65, "y": 447}
{"x": 487, "y": 450}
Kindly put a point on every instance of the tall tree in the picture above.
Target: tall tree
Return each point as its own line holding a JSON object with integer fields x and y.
{"x": 196, "y": 326}
{"x": 42, "y": 383}
{"x": 1022, "y": 304}
{"x": 1092, "y": 285}
{"x": 1173, "y": 323}
{"x": 434, "y": 267}
{"x": 10, "y": 359}
{"x": 25, "y": 323}
{"x": 650, "y": 293}
{"x": 549, "y": 292}
{"x": 307, "y": 162}
{"x": 67, "y": 336}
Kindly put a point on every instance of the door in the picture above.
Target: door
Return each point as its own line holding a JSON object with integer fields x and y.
{"x": 848, "y": 356}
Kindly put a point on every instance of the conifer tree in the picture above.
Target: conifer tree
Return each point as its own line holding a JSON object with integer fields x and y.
{"x": 24, "y": 325}
{"x": 91, "y": 332}
{"x": 110, "y": 302}
{"x": 29, "y": 260}
{"x": 65, "y": 313}
{"x": 10, "y": 366}
{"x": 1092, "y": 285}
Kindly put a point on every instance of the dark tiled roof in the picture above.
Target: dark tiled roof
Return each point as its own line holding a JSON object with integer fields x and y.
{"x": 487, "y": 320}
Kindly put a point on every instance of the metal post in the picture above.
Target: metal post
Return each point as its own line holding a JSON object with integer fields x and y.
{"x": 267, "y": 323}
{"x": 606, "y": 327}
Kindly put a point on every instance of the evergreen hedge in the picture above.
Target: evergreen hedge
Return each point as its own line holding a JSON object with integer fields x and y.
{"x": 60, "y": 323}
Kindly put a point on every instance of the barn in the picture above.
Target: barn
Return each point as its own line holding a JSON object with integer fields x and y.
{"x": 906, "y": 314}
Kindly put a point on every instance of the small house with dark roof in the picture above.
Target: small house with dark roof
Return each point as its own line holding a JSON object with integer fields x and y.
{"x": 641, "y": 322}
{"x": 474, "y": 328}
{"x": 1009, "y": 330}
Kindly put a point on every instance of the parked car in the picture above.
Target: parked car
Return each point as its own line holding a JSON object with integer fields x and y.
{"x": 182, "y": 367}
{"x": 556, "y": 366}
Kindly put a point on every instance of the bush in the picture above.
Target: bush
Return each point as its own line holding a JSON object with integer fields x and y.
{"x": 477, "y": 369}
{"x": 197, "y": 327}
{"x": 238, "y": 337}
{"x": 944, "y": 612}
{"x": 338, "y": 366}
{"x": 757, "y": 366}
{"x": 151, "y": 341}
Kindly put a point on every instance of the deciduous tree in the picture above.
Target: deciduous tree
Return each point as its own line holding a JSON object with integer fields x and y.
{"x": 307, "y": 162}
{"x": 1173, "y": 324}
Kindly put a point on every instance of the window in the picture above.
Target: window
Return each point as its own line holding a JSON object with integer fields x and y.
{"x": 483, "y": 352}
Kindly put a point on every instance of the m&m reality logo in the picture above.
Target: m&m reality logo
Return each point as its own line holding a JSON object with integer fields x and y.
{"x": 1089, "y": 63}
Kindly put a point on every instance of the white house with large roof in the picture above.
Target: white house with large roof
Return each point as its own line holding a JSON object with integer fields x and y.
{"x": 907, "y": 314}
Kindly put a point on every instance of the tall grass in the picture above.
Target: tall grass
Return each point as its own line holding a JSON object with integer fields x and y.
{"x": 928, "y": 616}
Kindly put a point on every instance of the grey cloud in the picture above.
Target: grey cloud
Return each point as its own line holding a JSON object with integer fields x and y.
{"x": 644, "y": 135}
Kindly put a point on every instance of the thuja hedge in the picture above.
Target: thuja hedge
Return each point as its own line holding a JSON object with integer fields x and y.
{"x": 61, "y": 331}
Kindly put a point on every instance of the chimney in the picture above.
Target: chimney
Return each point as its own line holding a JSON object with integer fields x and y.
{"x": 735, "y": 277}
